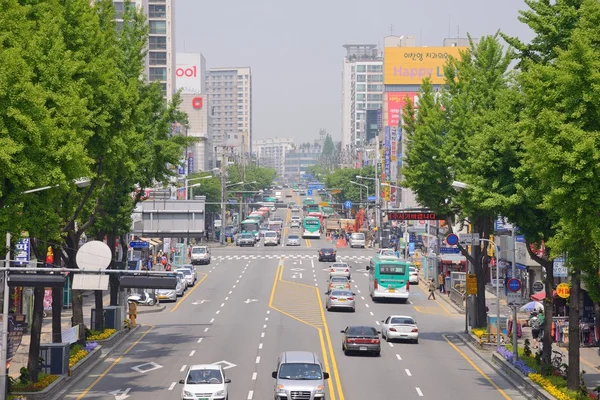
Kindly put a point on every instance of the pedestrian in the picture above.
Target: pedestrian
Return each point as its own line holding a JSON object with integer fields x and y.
{"x": 431, "y": 290}
{"x": 442, "y": 282}
{"x": 536, "y": 325}
{"x": 506, "y": 285}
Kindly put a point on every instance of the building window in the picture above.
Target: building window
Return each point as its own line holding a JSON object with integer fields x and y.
{"x": 361, "y": 78}
{"x": 374, "y": 97}
{"x": 158, "y": 27}
{"x": 360, "y": 97}
{"x": 157, "y": 42}
{"x": 375, "y": 88}
{"x": 361, "y": 68}
{"x": 361, "y": 87}
{"x": 158, "y": 74}
{"x": 157, "y": 58}
{"x": 375, "y": 78}
{"x": 157, "y": 11}
{"x": 375, "y": 68}
{"x": 373, "y": 106}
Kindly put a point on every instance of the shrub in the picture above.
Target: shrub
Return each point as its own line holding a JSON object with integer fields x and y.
{"x": 478, "y": 332}
{"x": 549, "y": 387}
{"x": 43, "y": 382}
{"x": 107, "y": 333}
{"x": 78, "y": 356}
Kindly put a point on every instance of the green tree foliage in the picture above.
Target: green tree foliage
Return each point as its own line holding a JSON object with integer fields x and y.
{"x": 263, "y": 177}
{"x": 211, "y": 188}
{"x": 328, "y": 154}
{"x": 341, "y": 179}
{"x": 446, "y": 143}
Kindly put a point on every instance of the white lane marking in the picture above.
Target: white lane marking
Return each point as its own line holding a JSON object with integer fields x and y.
{"x": 268, "y": 311}
{"x": 258, "y": 360}
{"x": 366, "y": 305}
{"x": 315, "y": 279}
{"x": 226, "y": 298}
{"x": 264, "y": 326}
{"x": 254, "y": 374}
{"x": 316, "y": 284}
{"x": 398, "y": 357}
{"x": 419, "y": 392}
{"x": 172, "y": 385}
{"x": 212, "y": 320}
{"x": 218, "y": 311}
{"x": 234, "y": 286}
{"x": 243, "y": 271}
{"x": 315, "y": 275}
{"x": 377, "y": 322}
{"x": 231, "y": 291}
{"x": 266, "y": 318}
{"x": 205, "y": 329}
{"x": 222, "y": 304}
{"x": 262, "y": 335}
{"x": 408, "y": 372}
{"x": 260, "y": 346}
{"x": 371, "y": 312}
{"x": 250, "y": 394}
{"x": 391, "y": 344}
{"x": 240, "y": 277}
{"x": 358, "y": 290}
{"x": 200, "y": 340}
{"x": 183, "y": 368}
{"x": 362, "y": 297}
{"x": 238, "y": 281}
{"x": 192, "y": 353}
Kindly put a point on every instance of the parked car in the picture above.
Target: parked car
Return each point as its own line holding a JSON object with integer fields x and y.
{"x": 327, "y": 254}
{"x": 182, "y": 280}
{"x": 363, "y": 339}
{"x": 200, "y": 255}
{"x": 189, "y": 277}
{"x": 413, "y": 278}
{"x": 400, "y": 327}
{"x": 169, "y": 294}
{"x": 192, "y": 270}
{"x": 341, "y": 299}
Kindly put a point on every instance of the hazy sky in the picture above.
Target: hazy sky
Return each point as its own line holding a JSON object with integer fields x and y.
{"x": 295, "y": 48}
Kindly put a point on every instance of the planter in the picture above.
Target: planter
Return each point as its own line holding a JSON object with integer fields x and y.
{"x": 110, "y": 342}
{"x": 526, "y": 384}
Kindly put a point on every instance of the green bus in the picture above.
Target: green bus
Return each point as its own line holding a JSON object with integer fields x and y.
{"x": 310, "y": 208}
{"x": 389, "y": 278}
{"x": 251, "y": 225}
{"x": 311, "y": 228}
{"x": 327, "y": 211}
{"x": 308, "y": 200}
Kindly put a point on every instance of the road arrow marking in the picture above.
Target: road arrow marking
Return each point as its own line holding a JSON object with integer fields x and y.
{"x": 200, "y": 302}
{"x": 250, "y": 301}
{"x": 146, "y": 367}
{"x": 296, "y": 276}
{"x": 226, "y": 364}
{"x": 120, "y": 394}
{"x": 361, "y": 270}
{"x": 297, "y": 269}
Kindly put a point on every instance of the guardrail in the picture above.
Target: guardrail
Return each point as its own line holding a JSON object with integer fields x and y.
{"x": 457, "y": 298}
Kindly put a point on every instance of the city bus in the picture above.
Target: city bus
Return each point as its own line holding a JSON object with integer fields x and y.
{"x": 266, "y": 210}
{"x": 251, "y": 226}
{"x": 256, "y": 217}
{"x": 316, "y": 215}
{"x": 389, "y": 278}
{"x": 308, "y": 200}
{"x": 311, "y": 228}
{"x": 312, "y": 208}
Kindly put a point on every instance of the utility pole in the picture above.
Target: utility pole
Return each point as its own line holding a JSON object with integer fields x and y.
{"x": 223, "y": 182}
{"x": 514, "y": 308}
{"x": 377, "y": 193}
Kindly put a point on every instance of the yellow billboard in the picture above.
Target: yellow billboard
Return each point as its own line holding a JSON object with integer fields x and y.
{"x": 410, "y": 65}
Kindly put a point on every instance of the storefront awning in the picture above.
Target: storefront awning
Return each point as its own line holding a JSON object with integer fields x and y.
{"x": 541, "y": 295}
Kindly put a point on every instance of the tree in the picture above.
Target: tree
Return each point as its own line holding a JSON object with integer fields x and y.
{"x": 328, "y": 154}
{"x": 211, "y": 188}
{"x": 341, "y": 179}
{"x": 445, "y": 143}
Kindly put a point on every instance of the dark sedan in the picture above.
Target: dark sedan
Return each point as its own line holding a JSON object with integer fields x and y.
{"x": 327, "y": 254}
{"x": 362, "y": 339}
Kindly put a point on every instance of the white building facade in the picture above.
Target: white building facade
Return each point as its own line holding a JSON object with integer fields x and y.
{"x": 230, "y": 95}
{"x": 200, "y": 156}
{"x": 271, "y": 153}
{"x": 190, "y": 73}
{"x": 362, "y": 90}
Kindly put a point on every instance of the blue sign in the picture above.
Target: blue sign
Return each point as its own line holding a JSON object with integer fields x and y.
{"x": 232, "y": 201}
{"x": 372, "y": 198}
{"x": 379, "y": 118}
{"x": 388, "y": 138}
{"x": 387, "y": 164}
{"x": 190, "y": 164}
{"x": 411, "y": 248}
{"x": 348, "y": 204}
{"x": 449, "y": 250}
{"x": 309, "y": 192}
{"x": 139, "y": 245}
{"x": 399, "y": 134}
{"x": 181, "y": 170}
{"x": 22, "y": 252}
{"x": 452, "y": 239}
{"x": 514, "y": 285}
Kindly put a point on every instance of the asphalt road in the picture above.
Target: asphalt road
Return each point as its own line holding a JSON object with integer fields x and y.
{"x": 254, "y": 303}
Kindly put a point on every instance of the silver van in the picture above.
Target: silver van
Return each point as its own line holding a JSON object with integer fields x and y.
{"x": 357, "y": 239}
{"x": 299, "y": 376}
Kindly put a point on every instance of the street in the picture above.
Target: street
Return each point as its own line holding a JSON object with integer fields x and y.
{"x": 257, "y": 302}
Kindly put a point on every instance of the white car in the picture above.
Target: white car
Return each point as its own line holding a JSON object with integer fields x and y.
{"x": 413, "y": 278}
{"x": 295, "y": 224}
{"x": 400, "y": 327}
{"x": 387, "y": 253}
{"x": 340, "y": 269}
{"x": 205, "y": 381}
{"x": 271, "y": 238}
{"x": 357, "y": 239}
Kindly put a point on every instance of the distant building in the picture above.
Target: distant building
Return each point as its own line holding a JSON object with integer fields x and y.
{"x": 190, "y": 73}
{"x": 272, "y": 153}
{"x": 199, "y": 156}
{"x": 230, "y": 95}
{"x": 298, "y": 160}
{"x": 362, "y": 90}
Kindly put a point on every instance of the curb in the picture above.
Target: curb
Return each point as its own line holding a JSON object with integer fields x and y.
{"x": 153, "y": 309}
{"x": 510, "y": 374}
{"x": 445, "y": 298}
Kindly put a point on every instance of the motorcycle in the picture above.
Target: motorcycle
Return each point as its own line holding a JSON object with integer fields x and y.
{"x": 144, "y": 299}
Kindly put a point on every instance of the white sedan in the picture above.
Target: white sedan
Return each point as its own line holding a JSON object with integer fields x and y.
{"x": 414, "y": 276}
{"x": 206, "y": 381}
{"x": 400, "y": 327}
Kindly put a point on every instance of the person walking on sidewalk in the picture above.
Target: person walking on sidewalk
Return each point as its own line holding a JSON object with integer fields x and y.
{"x": 431, "y": 290}
{"x": 536, "y": 325}
{"x": 441, "y": 283}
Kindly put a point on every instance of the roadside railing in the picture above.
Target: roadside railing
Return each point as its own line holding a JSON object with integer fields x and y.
{"x": 458, "y": 298}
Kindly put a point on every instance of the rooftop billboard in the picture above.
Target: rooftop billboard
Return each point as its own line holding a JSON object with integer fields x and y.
{"x": 410, "y": 65}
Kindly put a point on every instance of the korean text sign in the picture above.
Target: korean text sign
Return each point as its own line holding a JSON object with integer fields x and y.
{"x": 410, "y": 65}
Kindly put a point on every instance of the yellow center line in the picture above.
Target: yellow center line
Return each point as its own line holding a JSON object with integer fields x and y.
{"x": 487, "y": 378}
{"x": 114, "y": 363}
{"x": 190, "y": 292}
{"x": 326, "y": 358}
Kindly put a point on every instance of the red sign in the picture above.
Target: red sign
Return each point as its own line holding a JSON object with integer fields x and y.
{"x": 188, "y": 72}
{"x": 412, "y": 216}
{"x": 396, "y": 102}
{"x": 197, "y": 102}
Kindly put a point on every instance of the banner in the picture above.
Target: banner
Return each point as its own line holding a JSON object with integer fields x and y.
{"x": 387, "y": 163}
{"x": 190, "y": 163}
{"x": 379, "y": 118}
{"x": 387, "y": 138}
{"x": 410, "y": 65}
{"x": 395, "y": 104}
{"x": 386, "y": 193}
{"x": 394, "y": 146}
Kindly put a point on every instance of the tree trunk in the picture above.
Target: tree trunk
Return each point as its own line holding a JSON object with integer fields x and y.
{"x": 482, "y": 226}
{"x": 33, "y": 363}
{"x": 546, "y": 360}
{"x": 71, "y": 247}
{"x": 573, "y": 378}
{"x": 57, "y": 304}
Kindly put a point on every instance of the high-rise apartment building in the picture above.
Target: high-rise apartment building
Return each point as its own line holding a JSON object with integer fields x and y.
{"x": 160, "y": 59}
{"x": 271, "y": 153}
{"x": 230, "y": 95}
{"x": 362, "y": 90}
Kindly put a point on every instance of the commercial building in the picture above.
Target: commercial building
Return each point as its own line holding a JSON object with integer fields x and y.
{"x": 272, "y": 153}
{"x": 362, "y": 90}
{"x": 190, "y": 73}
{"x": 405, "y": 66}
{"x": 160, "y": 59}
{"x": 303, "y": 156}
{"x": 199, "y": 156}
{"x": 230, "y": 95}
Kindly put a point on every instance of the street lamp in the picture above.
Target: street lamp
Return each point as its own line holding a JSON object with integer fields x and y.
{"x": 366, "y": 187}
{"x": 82, "y": 182}
{"x": 187, "y": 182}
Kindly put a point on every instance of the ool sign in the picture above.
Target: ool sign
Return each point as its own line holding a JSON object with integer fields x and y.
{"x": 189, "y": 72}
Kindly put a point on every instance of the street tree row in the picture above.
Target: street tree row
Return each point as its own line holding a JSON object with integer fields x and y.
{"x": 74, "y": 103}
{"x": 526, "y": 141}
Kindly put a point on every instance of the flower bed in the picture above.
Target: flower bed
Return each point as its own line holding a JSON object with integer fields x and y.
{"x": 43, "y": 381}
{"x": 107, "y": 333}
{"x": 528, "y": 366}
{"x": 78, "y": 353}
{"x": 479, "y": 332}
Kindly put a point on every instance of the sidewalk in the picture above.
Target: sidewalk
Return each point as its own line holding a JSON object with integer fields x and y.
{"x": 22, "y": 354}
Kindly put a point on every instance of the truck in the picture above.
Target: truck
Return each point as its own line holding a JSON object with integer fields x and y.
{"x": 347, "y": 225}
{"x": 332, "y": 224}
